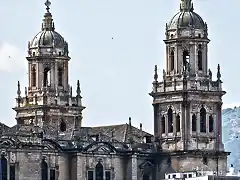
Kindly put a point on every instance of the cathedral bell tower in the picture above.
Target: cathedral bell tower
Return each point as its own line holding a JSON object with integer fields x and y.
{"x": 188, "y": 102}
{"x": 48, "y": 100}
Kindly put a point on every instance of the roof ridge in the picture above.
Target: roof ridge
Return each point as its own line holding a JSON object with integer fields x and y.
{"x": 108, "y": 125}
{"x": 4, "y": 124}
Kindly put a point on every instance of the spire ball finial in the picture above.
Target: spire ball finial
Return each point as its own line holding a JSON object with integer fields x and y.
{"x": 47, "y": 4}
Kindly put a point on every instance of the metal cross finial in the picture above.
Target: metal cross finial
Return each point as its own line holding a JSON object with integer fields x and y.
{"x": 48, "y": 4}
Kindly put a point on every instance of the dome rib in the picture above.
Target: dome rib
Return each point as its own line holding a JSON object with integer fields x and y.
{"x": 186, "y": 19}
{"x": 48, "y": 39}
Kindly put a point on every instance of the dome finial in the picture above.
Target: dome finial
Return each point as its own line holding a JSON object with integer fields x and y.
{"x": 186, "y": 5}
{"x": 47, "y": 4}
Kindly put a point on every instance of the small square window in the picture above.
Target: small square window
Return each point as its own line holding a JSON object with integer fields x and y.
{"x": 90, "y": 175}
{"x": 52, "y": 174}
{"x": 12, "y": 172}
{"x": 205, "y": 161}
{"x": 107, "y": 175}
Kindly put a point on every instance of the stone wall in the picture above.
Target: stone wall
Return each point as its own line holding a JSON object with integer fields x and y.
{"x": 111, "y": 162}
{"x": 185, "y": 163}
{"x": 28, "y": 165}
{"x": 63, "y": 162}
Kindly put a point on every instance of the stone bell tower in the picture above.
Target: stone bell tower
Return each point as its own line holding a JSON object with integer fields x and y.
{"x": 188, "y": 102}
{"x": 48, "y": 100}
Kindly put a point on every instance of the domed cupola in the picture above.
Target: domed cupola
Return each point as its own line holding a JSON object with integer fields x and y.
{"x": 48, "y": 41}
{"x": 186, "y": 23}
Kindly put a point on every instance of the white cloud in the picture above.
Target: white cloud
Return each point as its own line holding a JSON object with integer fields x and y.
{"x": 12, "y": 58}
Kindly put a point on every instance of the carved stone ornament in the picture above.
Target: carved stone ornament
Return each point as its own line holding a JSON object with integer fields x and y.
{"x": 47, "y": 65}
{"x": 172, "y": 49}
{"x": 99, "y": 160}
{"x": 210, "y": 108}
{"x": 61, "y": 65}
{"x": 109, "y": 162}
{"x": 168, "y": 97}
{"x": 91, "y": 162}
{"x": 177, "y": 107}
{"x": 33, "y": 67}
{"x": 194, "y": 107}
{"x": 213, "y": 98}
{"x": 12, "y": 157}
{"x": 199, "y": 46}
{"x": 166, "y": 107}
{"x": 142, "y": 173}
{"x": 185, "y": 46}
{"x": 113, "y": 173}
{"x": 3, "y": 152}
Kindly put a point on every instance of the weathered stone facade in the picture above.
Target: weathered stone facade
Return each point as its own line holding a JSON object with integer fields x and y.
{"x": 70, "y": 157}
{"x": 49, "y": 142}
{"x": 188, "y": 102}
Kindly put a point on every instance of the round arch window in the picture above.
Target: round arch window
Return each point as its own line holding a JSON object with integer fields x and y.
{"x": 63, "y": 126}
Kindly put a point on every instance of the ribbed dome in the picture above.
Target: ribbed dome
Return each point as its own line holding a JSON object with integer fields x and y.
{"x": 48, "y": 41}
{"x": 47, "y": 38}
{"x": 186, "y": 19}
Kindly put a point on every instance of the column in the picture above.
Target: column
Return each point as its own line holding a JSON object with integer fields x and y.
{"x": 192, "y": 59}
{"x": 166, "y": 124}
{"x": 66, "y": 75}
{"x": 219, "y": 126}
{"x": 196, "y": 58}
{"x": 177, "y": 60}
{"x": 39, "y": 75}
{"x": 198, "y": 122}
{"x": 187, "y": 121}
{"x": 180, "y": 59}
{"x": 134, "y": 167}
{"x": 174, "y": 123}
{"x": 63, "y": 167}
{"x": 156, "y": 120}
{"x": 183, "y": 117}
{"x": 207, "y": 123}
{"x": 81, "y": 167}
{"x": 52, "y": 73}
{"x": 29, "y": 75}
{"x": 167, "y": 58}
{"x": 205, "y": 65}
{"x": 56, "y": 76}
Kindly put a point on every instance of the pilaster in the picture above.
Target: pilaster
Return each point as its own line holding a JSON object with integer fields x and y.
{"x": 56, "y": 75}
{"x": 134, "y": 167}
{"x": 156, "y": 120}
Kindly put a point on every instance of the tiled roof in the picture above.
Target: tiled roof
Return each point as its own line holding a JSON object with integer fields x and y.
{"x": 3, "y": 128}
{"x": 124, "y": 137}
{"x": 121, "y": 132}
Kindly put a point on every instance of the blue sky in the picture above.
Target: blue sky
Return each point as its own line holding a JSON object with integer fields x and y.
{"x": 115, "y": 74}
